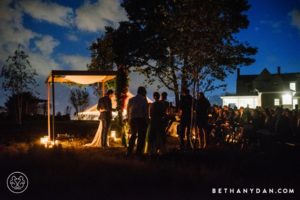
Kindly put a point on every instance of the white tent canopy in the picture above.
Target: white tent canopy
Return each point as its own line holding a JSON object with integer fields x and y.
{"x": 72, "y": 76}
{"x": 92, "y": 113}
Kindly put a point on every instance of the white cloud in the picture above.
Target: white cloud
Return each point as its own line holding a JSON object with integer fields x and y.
{"x": 43, "y": 64}
{"x": 46, "y": 44}
{"x": 40, "y": 48}
{"x": 75, "y": 62}
{"x": 95, "y": 16}
{"x": 48, "y": 11}
{"x": 295, "y": 18}
{"x": 72, "y": 37}
{"x": 13, "y": 33}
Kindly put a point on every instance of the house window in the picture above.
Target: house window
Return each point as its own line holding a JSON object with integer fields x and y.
{"x": 293, "y": 86}
{"x": 276, "y": 102}
{"x": 287, "y": 99}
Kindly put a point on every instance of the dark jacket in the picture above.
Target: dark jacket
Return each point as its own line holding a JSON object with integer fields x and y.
{"x": 202, "y": 107}
{"x": 105, "y": 103}
{"x": 186, "y": 107}
{"x": 137, "y": 107}
{"x": 157, "y": 112}
{"x": 166, "y": 110}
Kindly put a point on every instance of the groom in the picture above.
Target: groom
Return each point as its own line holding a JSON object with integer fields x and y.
{"x": 105, "y": 108}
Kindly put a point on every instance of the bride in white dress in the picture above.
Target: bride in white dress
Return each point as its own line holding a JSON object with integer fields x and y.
{"x": 97, "y": 138}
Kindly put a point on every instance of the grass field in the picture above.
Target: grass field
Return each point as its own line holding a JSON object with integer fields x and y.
{"x": 93, "y": 173}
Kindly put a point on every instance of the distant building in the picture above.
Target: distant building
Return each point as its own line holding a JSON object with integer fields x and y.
{"x": 265, "y": 90}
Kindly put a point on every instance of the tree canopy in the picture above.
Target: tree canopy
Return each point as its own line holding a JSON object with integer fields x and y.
{"x": 18, "y": 77}
{"x": 79, "y": 99}
{"x": 185, "y": 41}
{"x": 180, "y": 42}
{"x": 18, "y": 74}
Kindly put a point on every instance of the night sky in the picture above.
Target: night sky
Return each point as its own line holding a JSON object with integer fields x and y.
{"x": 56, "y": 35}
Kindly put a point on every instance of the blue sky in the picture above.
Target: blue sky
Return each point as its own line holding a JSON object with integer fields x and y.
{"x": 56, "y": 35}
{"x": 275, "y": 30}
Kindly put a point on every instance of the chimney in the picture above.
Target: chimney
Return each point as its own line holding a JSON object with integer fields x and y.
{"x": 238, "y": 72}
{"x": 278, "y": 70}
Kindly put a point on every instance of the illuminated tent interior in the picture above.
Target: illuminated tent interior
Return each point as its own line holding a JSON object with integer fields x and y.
{"x": 92, "y": 113}
{"x": 72, "y": 76}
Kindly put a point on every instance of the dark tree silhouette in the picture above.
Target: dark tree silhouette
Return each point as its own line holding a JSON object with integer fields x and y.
{"x": 184, "y": 38}
{"x": 120, "y": 45}
{"x": 102, "y": 58}
{"x": 79, "y": 99}
{"x": 18, "y": 77}
{"x": 29, "y": 105}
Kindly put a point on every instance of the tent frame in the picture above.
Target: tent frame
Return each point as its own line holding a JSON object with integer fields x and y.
{"x": 56, "y": 76}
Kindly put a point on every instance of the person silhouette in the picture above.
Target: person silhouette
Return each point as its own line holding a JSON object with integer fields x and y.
{"x": 202, "y": 109}
{"x": 185, "y": 108}
{"x": 166, "y": 118}
{"x": 137, "y": 111}
{"x": 105, "y": 108}
{"x": 156, "y": 125}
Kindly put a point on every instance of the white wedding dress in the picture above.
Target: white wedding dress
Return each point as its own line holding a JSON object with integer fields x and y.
{"x": 97, "y": 138}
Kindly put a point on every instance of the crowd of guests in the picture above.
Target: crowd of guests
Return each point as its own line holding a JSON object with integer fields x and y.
{"x": 142, "y": 118}
{"x": 282, "y": 123}
{"x": 160, "y": 115}
{"x": 198, "y": 121}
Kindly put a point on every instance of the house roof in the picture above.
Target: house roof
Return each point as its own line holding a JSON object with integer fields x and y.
{"x": 240, "y": 95}
{"x": 290, "y": 76}
{"x": 265, "y": 72}
{"x": 247, "y": 78}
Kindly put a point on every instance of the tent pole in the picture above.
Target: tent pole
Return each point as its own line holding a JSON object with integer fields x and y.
{"x": 53, "y": 109}
{"x": 103, "y": 83}
{"x": 48, "y": 110}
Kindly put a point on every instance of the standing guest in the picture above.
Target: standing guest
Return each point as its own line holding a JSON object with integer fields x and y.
{"x": 156, "y": 125}
{"x": 105, "y": 108}
{"x": 293, "y": 122}
{"x": 166, "y": 117}
{"x": 185, "y": 108}
{"x": 137, "y": 110}
{"x": 202, "y": 109}
{"x": 283, "y": 126}
{"x": 268, "y": 119}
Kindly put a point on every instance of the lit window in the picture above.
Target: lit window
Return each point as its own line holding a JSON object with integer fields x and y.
{"x": 276, "y": 102}
{"x": 287, "y": 99}
{"x": 293, "y": 86}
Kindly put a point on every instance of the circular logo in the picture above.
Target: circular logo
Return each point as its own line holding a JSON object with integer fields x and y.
{"x": 17, "y": 182}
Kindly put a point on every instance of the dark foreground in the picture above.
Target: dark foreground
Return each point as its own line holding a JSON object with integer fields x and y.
{"x": 78, "y": 173}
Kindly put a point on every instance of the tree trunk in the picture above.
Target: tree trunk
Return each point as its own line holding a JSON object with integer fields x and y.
{"x": 121, "y": 95}
{"x": 174, "y": 79}
{"x": 184, "y": 84}
{"x": 19, "y": 109}
{"x": 177, "y": 100}
{"x": 176, "y": 89}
